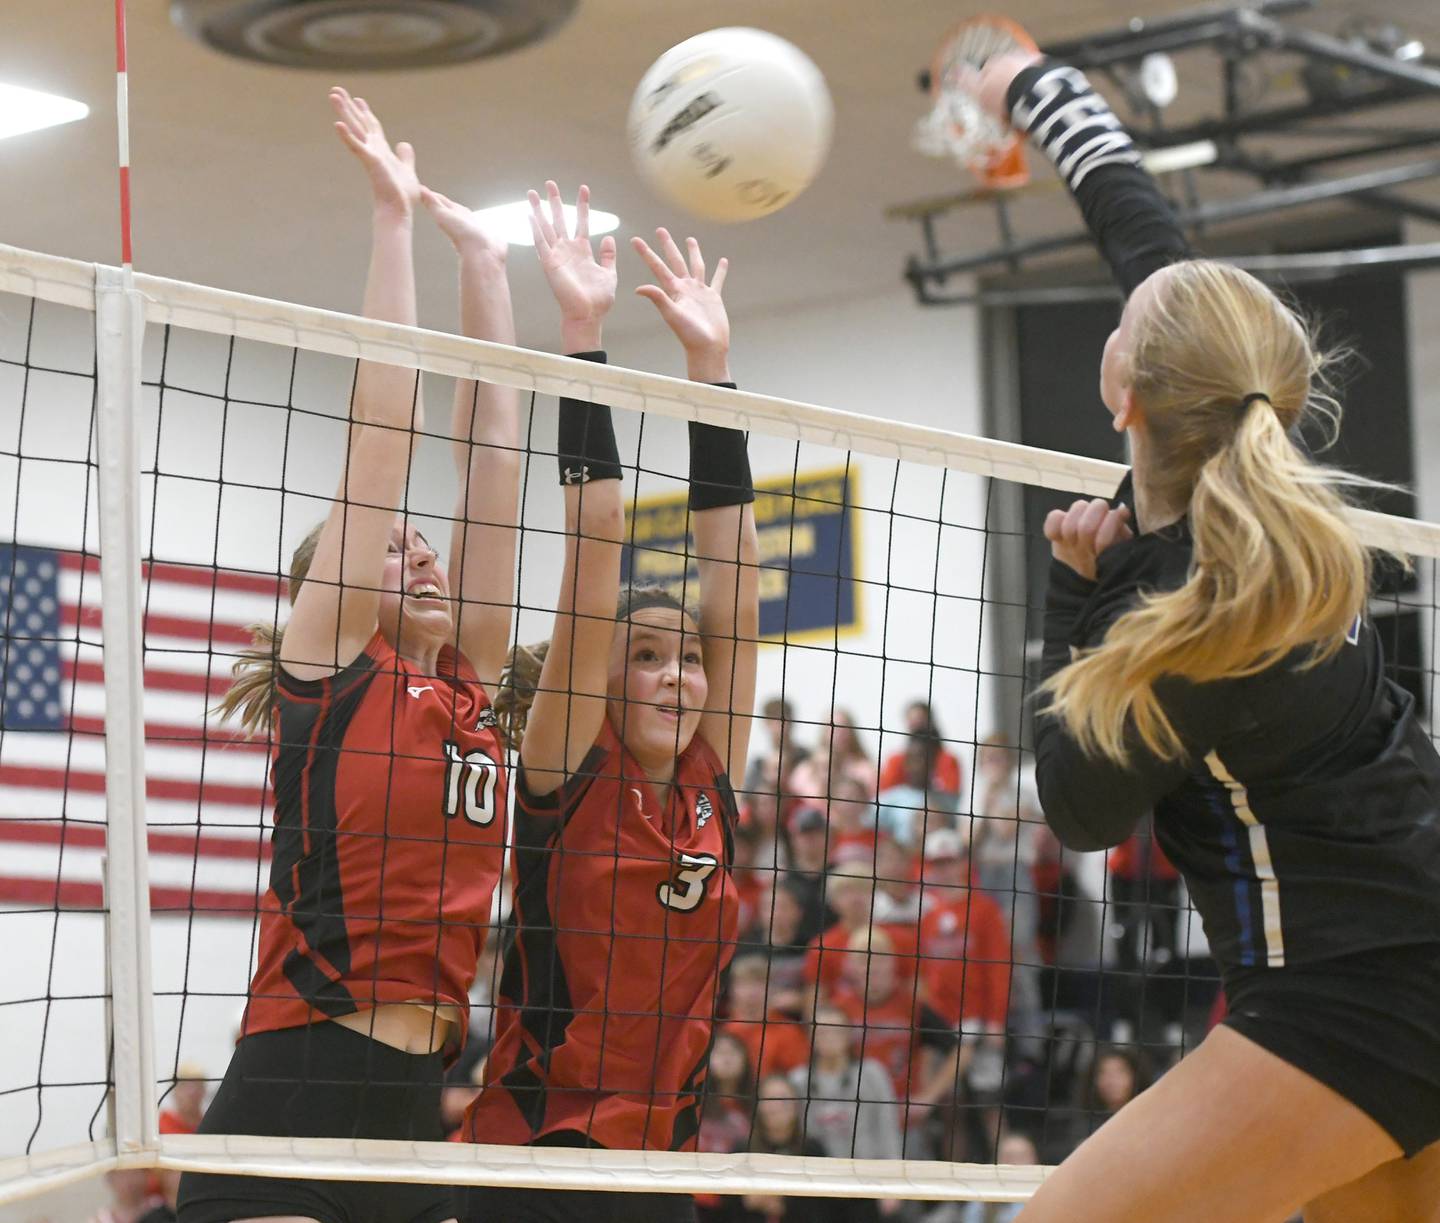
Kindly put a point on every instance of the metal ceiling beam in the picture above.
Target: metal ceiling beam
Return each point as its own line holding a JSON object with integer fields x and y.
{"x": 1308, "y": 266}
{"x": 1322, "y": 46}
{"x": 1222, "y": 211}
{"x": 1123, "y": 39}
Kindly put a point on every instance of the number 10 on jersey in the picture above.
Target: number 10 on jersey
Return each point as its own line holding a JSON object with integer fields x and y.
{"x": 470, "y": 779}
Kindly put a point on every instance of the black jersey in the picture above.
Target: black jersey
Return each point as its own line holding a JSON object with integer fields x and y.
{"x": 1305, "y": 816}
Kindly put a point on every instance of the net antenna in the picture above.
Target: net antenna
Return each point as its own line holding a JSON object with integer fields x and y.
{"x": 957, "y": 125}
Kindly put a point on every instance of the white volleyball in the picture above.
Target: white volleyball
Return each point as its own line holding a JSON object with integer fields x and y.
{"x": 732, "y": 124}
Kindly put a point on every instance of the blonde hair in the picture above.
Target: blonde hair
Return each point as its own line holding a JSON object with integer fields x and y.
{"x": 250, "y": 699}
{"x": 1275, "y": 565}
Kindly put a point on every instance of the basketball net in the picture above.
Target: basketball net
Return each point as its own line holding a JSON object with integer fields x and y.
{"x": 957, "y": 126}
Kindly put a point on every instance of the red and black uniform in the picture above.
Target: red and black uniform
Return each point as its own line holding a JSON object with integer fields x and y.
{"x": 388, "y": 844}
{"x": 625, "y": 917}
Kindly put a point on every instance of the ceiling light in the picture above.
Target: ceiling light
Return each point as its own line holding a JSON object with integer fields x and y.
{"x": 513, "y": 221}
{"x": 29, "y": 110}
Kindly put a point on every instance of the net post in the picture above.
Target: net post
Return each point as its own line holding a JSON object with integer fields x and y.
{"x": 119, "y": 332}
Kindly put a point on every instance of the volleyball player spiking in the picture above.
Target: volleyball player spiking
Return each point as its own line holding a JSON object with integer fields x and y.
{"x": 389, "y": 793}
{"x": 628, "y": 721}
{"x": 1207, "y": 653}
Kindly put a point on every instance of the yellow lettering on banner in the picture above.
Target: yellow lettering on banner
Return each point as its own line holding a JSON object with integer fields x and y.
{"x": 654, "y": 564}
{"x": 778, "y": 543}
{"x": 773, "y": 583}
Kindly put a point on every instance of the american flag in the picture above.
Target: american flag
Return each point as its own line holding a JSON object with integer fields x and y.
{"x": 207, "y": 806}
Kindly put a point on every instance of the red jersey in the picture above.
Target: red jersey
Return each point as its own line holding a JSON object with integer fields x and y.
{"x": 965, "y": 959}
{"x": 625, "y": 917}
{"x": 945, "y": 778}
{"x": 388, "y": 843}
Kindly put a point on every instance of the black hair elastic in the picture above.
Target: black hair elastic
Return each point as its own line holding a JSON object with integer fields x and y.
{"x": 1251, "y": 398}
{"x": 585, "y": 447}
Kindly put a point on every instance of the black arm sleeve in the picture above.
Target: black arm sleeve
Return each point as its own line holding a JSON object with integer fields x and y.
{"x": 1133, "y": 224}
{"x": 1090, "y": 802}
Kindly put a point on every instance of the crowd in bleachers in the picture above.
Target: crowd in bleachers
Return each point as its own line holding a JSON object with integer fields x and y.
{"x": 921, "y": 973}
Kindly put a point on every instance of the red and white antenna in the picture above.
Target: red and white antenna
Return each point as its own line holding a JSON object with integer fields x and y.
{"x": 122, "y": 122}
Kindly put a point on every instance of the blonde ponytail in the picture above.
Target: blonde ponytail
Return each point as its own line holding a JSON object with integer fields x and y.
{"x": 250, "y": 699}
{"x": 1275, "y": 566}
{"x": 519, "y": 681}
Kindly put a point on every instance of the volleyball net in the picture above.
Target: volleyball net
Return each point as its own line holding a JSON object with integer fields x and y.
{"x": 935, "y": 979}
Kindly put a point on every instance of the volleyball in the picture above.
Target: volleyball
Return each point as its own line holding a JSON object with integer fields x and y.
{"x": 731, "y": 125}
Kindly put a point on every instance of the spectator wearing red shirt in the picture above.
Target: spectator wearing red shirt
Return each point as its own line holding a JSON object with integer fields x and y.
{"x": 775, "y": 1044}
{"x": 851, "y": 891}
{"x": 946, "y": 776}
{"x": 920, "y": 1050}
{"x": 964, "y": 943}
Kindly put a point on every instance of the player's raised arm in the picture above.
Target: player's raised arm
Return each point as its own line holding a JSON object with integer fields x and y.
{"x": 336, "y": 611}
{"x": 487, "y": 457}
{"x": 1066, "y": 119}
{"x": 721, "y": 497}
{"x": 569, "y": 705}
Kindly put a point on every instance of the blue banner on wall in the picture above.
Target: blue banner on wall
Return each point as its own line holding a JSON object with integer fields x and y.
{"x": 807, "y": 527}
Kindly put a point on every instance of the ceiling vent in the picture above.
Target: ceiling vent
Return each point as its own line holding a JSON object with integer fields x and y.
{"x": 366, "y": 35}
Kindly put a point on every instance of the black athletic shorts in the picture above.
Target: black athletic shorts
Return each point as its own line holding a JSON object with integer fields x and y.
{"x": 479, "y": 1204}
{"x": 1367, "y": 1026}
{"x": 322, "y": 1081}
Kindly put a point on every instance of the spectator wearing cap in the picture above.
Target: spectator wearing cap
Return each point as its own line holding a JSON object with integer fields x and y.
{"x": 964, "y": 943}
{"x": 850, "y": 890}
{"x": 775, "y": 1044}
{"x": 912, "y": 804}
{"x": 807, "y": 838}
{"x": 946, "y": 776}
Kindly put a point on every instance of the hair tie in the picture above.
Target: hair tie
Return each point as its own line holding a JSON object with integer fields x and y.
{"x": 1251, "y": 398}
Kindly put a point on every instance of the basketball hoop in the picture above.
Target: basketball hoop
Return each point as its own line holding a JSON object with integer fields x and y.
{"x": 957, "y": 126}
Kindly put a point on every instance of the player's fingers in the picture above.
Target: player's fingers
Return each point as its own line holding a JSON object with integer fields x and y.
{"x": 1092, "y": 517}
{"x": 607, "y": 251}
{"x": 542, "y": 243}
{"x": 657, "y": 265}
{"x": 1112, "y": 531}
{"x": 718, "y": 284}
{"x": 671, "y": 252}
{"x": 582, "y": 212}
{"x": 697, "y": 260}
{"x": 1055, "y": 525}
{"x": 654, "y": 293}
{"x": 540, "y": 221}
{"x": 406, "y": 153}
{"x": 557, "y": 210}
{"x": 1071, "y": 526}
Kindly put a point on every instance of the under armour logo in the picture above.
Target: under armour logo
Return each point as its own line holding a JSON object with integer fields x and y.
{"x": 640, "y": 801}
{"x": 703, "y": 810}
{"x": 415, "y": 692}
{"x": 573, "y": 475}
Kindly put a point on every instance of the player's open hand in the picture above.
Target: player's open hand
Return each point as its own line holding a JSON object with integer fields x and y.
{"x": 691, "y": 308}
{"x": 583, "y": 284}
{"x": 471, "y": 234}
{"x": 992, "y": 83}
{"x": 1080, "y": 534}
{"x": 391, "y": 171}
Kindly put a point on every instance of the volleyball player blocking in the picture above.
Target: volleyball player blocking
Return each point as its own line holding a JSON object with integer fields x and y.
{"x": 1207, "y": 654}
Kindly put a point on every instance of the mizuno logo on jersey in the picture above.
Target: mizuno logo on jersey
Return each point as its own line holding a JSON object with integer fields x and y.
{"x": 416, "y": 691}
{"x": 703, "y": 810}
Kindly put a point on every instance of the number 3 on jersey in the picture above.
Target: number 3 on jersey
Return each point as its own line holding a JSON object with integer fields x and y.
{"x": 686, "y": 887}
{"x": 470, "y": 785}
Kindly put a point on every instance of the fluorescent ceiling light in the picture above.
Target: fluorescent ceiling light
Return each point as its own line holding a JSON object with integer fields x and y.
{"x": 29, "y": 110}
{"x": 514, "y": 221}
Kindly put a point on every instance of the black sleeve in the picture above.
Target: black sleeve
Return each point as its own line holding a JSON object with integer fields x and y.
{"x": 1090, "y": 802}
{"x": 1133, "y": 224}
